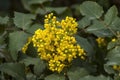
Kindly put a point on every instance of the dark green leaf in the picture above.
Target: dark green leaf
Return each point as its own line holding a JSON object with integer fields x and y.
{"x": 55, "y": 77}
{"x": 77, "y": 73}
{"x": 16, "y": 41}
{"x": 36, "y": 1}
{"x": 58, "y": 10}
{"x": 91, "y": 9}
{"x": 39, "y": 65}
{"x": 22, "y": 20}
{"x": 34, "y": 27}
{"x": 95, "y": 78}
{"x": 16, "y": 70}
{"x": 85, "y": 45}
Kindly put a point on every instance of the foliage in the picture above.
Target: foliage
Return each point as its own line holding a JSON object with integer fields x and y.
{"x": 98, "y": 34}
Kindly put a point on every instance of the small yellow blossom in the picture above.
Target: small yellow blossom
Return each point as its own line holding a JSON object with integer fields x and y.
{"x": 113, "y": 40}
{"x": 101, "y": 41}
{"x": 116, "y": 67}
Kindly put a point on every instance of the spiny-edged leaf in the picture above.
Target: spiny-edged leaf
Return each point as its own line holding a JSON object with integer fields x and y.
{"x": 36, "y": 1}
{"x": 4, "y": 20}
{"x": 115, "y": 25}
{"x": 55, "y": 77}
{"x": 85, "y": 45}
{"x": 16, "y": 41}
{"x": 16, "y": 70}
{"x": 22, "y": 20}
{"x": 99, "y": 29}
{"x": 101, "y": 77}
{"x": 84, "y": 22}
{"x": 34, "y": 27}
{"x": 91, "y": 9}
{"x": 76, "y": 73}
{"x": 58, "y": 10}
{"x": 111, "y": 15}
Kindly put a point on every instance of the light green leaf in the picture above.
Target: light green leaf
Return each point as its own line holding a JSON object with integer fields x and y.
{"x": 55, "y": 77}
{"x": 99, "y": 29}
{"x": 4, "y": 20}
{"x": 85, "y": 45}
{"x": 16, "y": 41}
{"x": 101, "y": 77}
{"x": 84, "y": 22}
{"x": 16, "y": 70}
{"x": 77, "y": 73}
{"x": 22, "y": 20}
{"x": 111, "y": 15}
{"x": 91, "y": 9}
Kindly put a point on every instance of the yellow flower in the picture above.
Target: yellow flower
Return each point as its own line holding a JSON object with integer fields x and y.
{"x": 101, "y": 41}
{"x": 113, "y": 40}
{"x": 56, "y": 43}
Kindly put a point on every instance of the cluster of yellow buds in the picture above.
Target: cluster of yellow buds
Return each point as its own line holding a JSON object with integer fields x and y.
{"x": 56, "y": 43}
{"x": 101, "y": 42}
{"x": 116, "y": 67}
{"x": 25, "y": 47}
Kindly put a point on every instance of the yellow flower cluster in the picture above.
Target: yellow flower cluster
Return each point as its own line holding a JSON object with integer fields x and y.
{"x": 25, "y": 47}
{"x": 56, "y": 44}
{"x": 101, "y": 41}
{"x": 116, "y": 67}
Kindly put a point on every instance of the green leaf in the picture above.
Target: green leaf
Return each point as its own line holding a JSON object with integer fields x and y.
{"x": 115, "y": 25}
{"x": 55, "y": 77}
{"x": 39, "y": 65}
{"x": 95, "y": 78}
{"x": 84, "y": 22}
{"x": 113, "y": 58}
{"x": 111, "y": 15}
{"x": 16, "y": 41}
{"x": 99, "y": 29}
{"x": 58, "y": 10}
{"x": 4, "y": 20}
{"x": 85, "y": 45}
{"x": 114, "y": 53}
{"x": 30, "y": 76}
{"x": 36, "y": 1}
{"x": 76, "y": 73}
{"x": 16, "y": 70}
{"x": 22, "y": 20}
{"x": 34, "y": 27}
{"x": 91, "y": 9}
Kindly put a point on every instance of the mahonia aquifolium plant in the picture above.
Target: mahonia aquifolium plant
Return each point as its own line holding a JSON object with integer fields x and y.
{"x": 56, "y": 44}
